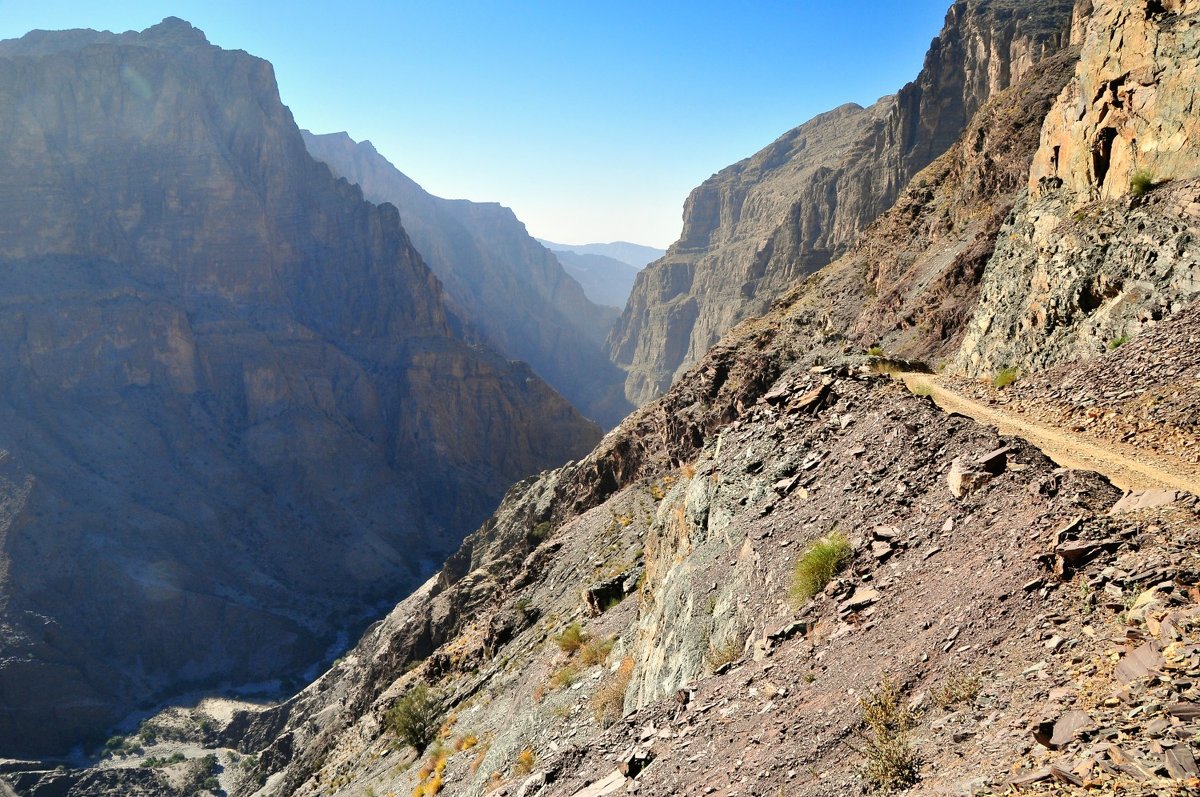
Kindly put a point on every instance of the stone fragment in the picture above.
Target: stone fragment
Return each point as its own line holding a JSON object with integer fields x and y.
{"x": 963, "y": 480}
{"x": 634, "y": 760}
{"x": 1030, "y": 778}
{"x": 1184, "y": 710}
{"x": 862, "y": 598}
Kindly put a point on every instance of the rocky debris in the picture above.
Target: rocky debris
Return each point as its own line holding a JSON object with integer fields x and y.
{"x": 1141, "y": 398}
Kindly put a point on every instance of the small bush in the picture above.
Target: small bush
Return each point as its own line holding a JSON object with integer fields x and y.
{"x": 1005, "y": 377}
{"x": 525, "y": 761}
{"x": 540, "y": 532}
{"x": 1141, "y": 182}
{"x": 892, "y": 763}
{"x": 875, "y": 351}
{"x": 958, "y": 688}
{"x": 414, "y": 718}
{"x": 817, "y": 566}
{"x": 571, "y": 639}
{"x": 1118, "y": 342}
{"x": 466, "y": 742}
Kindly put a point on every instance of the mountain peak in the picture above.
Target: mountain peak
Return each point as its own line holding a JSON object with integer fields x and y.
{"x": 174, "y": 31}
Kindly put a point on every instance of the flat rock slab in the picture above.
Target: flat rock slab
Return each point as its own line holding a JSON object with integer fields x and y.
{"x": 1181, "y": 764}
{"x": 1144, "y": 499}
{"x": 614, "y": 782}
{"x": 1142, "y": 661}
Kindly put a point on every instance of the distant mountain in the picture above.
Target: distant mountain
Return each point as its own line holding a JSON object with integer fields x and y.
{"x": 512, "y": 289}
{"x": 235, "y": 411}
{"x": 605, "y": 280}
{"x": 635, "y": 255}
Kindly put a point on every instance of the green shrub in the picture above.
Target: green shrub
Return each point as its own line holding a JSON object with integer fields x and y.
{"x": 817, "y": 566}
{"x": 571, "y": 639}
{"x": 414, "y": 718}
{"x": 1118, "y": 342}
{"x": 875, "y": 351}
{"x": 1141, "y": 182}
{"x": 596, "y": 651}
{"x": 1005, "y": 377}
{"x": 565, "y": 677}
{"x": 892, "y": 763}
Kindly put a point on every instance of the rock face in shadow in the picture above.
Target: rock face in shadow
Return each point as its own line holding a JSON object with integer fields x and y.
{"x": 759, "y": 225}
{"x": 509, "y": 287}
{"x": 234, "y": 409}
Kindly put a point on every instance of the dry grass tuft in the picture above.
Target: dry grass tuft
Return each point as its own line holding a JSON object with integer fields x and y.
{"x": 608, "y": 703}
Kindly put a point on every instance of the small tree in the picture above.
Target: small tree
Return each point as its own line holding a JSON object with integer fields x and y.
{"x": 415, "y": 716}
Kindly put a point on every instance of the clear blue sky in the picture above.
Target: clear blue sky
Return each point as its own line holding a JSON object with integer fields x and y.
{"x": 592, "y": 119}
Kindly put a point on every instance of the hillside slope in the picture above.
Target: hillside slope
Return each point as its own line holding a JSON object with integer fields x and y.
{"x": 507, "y": 285}
{"x": 234, "y": 412}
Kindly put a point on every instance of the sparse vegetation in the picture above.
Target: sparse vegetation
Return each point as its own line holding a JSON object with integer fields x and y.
{"x": 1005, "y": 377}
{"x": 608, "y": 703}
{"x": 414, "y": 718}
{"x": 1118, "y": 342}
{"x": 892, "y": 763}
{"x": 465, "y": 742}
{"x": 1141, "y": 182}
{"x": 571, "y": 639}
{"x": 525, "y": 761}
{"x": 540, "y": 532}
{"x": 157, "y": 762}
{"x": 958, "y": 688}
{"x": 817, "y": 566}
{"x": 429, "y": 778}
{"x": 565, "y": 677}
{"x": 875, "y": 351}
{"x": 596, "y": 651}
{"x": 724, "y": 653}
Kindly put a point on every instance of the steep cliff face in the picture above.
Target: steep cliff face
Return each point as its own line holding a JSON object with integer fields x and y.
{"x": 1105, "y": 243}
{"x": 234, "y": 410}
{"x": 754, "y": 228}
{"x": 508, "y": 286}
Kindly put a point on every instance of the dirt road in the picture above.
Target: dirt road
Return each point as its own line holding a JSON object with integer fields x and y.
{"x": 1126, "y": 466}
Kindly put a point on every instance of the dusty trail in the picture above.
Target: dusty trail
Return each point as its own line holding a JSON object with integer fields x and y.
{"x": 1126, "y": 466}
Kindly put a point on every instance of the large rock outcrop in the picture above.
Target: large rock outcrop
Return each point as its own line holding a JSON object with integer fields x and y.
{"x": 235, "y": 413}
{"x": 508, "y": 286}
{"x": 754, "y": 228}
{"x": 1105, "y": 242}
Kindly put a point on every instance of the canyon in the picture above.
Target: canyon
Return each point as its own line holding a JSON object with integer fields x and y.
{"x": 1013, "y": 235}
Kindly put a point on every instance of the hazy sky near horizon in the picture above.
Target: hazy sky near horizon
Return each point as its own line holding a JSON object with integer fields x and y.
{"x": 592, "y": 120}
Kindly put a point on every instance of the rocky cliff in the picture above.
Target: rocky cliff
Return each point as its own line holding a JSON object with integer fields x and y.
{"x": 235, "y": 413}
{"x": 756, "y": 227}
{"x": 1105, "y": 242}
{"x": 507, "y": 285}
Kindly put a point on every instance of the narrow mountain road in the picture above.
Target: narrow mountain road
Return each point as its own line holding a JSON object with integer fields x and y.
{"x": 1126, "y": 466}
